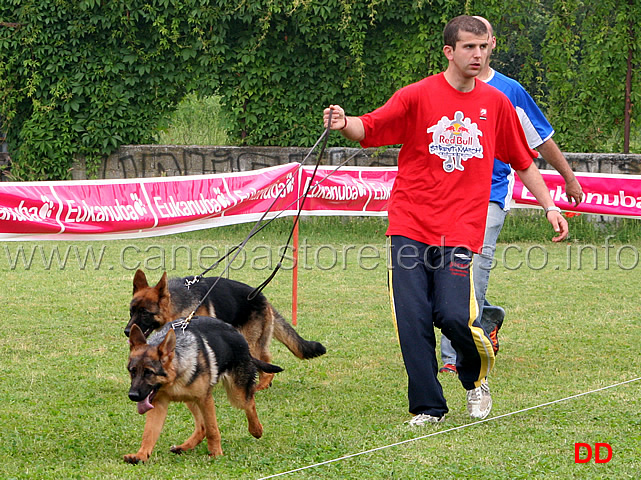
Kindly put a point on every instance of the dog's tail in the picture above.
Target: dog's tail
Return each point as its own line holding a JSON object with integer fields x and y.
{"x": 300, "y": 347}
{"x": 266, "y": 367}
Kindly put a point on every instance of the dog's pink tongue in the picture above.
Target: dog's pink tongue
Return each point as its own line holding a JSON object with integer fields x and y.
{"x": 144, "y": 406}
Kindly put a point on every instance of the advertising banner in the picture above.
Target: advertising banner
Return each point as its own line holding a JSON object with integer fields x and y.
{"x": 111, "y": 209}
{"x": 141, "y": 207}
{"x": 615, "y": 195}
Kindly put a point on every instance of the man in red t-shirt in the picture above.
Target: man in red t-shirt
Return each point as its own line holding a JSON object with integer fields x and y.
{"x": 451, "y": 128}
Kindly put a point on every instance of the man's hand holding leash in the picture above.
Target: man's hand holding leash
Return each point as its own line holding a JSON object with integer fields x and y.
{"x": 350, "y": 127}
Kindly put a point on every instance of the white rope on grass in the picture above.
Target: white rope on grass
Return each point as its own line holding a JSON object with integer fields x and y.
{"x": 440, "y": 432}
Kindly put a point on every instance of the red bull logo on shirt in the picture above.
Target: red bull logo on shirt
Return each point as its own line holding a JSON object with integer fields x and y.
{"x": 457, "y": 129}
{"x": 455, "y": 141}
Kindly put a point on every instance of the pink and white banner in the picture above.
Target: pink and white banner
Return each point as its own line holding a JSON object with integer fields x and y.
{"x": 348, "y": 191}
{"x": 605, "y": 194}
{"x": 134, "y": 208}
{"x": 112, "y": 209}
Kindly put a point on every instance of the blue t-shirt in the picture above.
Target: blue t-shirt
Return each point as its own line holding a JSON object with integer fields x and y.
{"x": 537, "y": 130}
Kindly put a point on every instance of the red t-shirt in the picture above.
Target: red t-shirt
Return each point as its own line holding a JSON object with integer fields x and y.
{"x": 449, "y": 141}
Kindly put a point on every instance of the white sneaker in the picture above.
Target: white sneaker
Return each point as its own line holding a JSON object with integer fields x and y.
{"x": 479, "y": 401}
{"x": 423, "y": 418}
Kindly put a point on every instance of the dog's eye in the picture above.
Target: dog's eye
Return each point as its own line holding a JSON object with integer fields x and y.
{"x": 149, "y": 372}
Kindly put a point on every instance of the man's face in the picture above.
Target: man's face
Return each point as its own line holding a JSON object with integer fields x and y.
{"x": 491, "y": 46}
{"x": 470, "y": 55}
{"x": 491, "y": 37}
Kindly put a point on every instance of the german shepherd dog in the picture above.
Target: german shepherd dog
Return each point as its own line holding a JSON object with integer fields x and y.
{"x": 256, "y": 319}
{"x": 181, "y": 364}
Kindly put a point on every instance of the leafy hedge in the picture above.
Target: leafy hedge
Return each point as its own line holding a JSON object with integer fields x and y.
{"x": 83, "y": 77}
{"x": 80, "y": 78}
{"x": 587, "y": 48}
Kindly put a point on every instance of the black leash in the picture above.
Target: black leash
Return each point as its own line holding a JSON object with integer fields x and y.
{"x": 262, "y": 286}
{"x": 188, "y": 283}
{"x": 255, "y": 229}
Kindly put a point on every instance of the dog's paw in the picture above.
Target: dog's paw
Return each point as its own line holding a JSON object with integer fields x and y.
{"x": 176, "y": 449}
{"x": 216, "y": 453}
{"x": 264, "y": 381}
{"x": 133, "y": 459}
{"x": 256, "y": 430}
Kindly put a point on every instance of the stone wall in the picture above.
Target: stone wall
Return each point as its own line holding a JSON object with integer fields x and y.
{"x": 133, "y": 161}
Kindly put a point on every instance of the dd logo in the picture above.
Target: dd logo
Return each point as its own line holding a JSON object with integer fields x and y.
{"x": 583, "y": 452}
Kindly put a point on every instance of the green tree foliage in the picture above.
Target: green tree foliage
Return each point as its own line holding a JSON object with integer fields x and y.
{"x": 80, "y": 78}
{"x": 585, "y": 51}
{"x": 297, "y": 60}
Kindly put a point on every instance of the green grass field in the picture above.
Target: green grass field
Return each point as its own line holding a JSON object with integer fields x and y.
{"x": 573, "y": 326}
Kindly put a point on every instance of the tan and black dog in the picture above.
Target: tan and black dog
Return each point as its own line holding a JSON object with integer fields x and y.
{"x": 256, "y": 319}
{"x": 182, "y": 365}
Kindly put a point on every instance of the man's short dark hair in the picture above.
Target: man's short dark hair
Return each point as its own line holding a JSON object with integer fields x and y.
{"x": 463, "y": 23}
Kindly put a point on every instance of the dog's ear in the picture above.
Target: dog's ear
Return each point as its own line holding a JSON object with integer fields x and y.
{"x": 140, "y": 280}
{"x": 136, "y": 337}
{"x": 162, "y": 287}
{"x": 167, "y": 348}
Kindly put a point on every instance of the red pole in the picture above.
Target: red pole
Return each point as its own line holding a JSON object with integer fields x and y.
{"x": 295, "y": 275}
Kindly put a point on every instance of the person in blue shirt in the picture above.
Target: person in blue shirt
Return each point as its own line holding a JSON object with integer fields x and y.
{"x": 539, "y": 135}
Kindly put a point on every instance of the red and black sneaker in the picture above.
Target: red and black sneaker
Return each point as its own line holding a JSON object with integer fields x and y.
{"x": 448, "y": 368}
